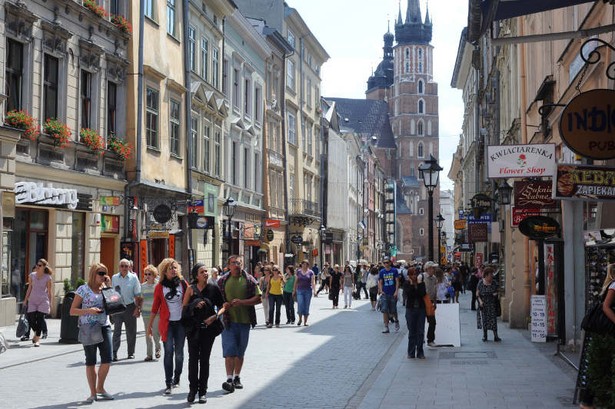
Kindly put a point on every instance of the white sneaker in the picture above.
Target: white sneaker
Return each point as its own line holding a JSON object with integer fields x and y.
{"x": 431, "y": 344}
{"x": 396, "y": 325}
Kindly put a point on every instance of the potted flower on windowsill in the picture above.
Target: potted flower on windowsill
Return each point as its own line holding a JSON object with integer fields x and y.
{"x": 58, "y": 131}
{"x": 120, "y": 147}
{"x": 95, "y": 8}
{"x": 24, "y": 121}
{"x": 120, "y": 22}
{"x": 92, "y": 140}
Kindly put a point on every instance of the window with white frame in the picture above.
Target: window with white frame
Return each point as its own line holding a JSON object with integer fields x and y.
{"x": 225, "y": 77}
{"x": 86, "y": 99}
{"x": 192, "y": 48}
{"x": 215, "y": 67}
{"x": 236, "y": 87}
{"x": 247, "y": 97}
{"x": 309, "y": 92}
{"x": 234, "y": 162}
{"x": 421, "y": 106}
{"x": 419, "y": 128}
{"x": 171, "y": 17}
{"x": 421, "y": 231}
{"x": 420, "y": 150}
{"x": 290, "y": 37}
{"x": 292, "y": 129}
{"x": 258, "y": 104}
{"x": 174, "y": 126}
{"x": 149, "y": 9}
{"x": 303, "y": 135}
{"x": 420, "y": 87}
{"x": 111, "y": 108}
{"x": 205, "y": 58}
{"x": 194, "y": 141}
{"x": 290, "y": 74}
{"x": 14, "y": 74}
{"x": 246, "y": 167}
{"x": 257, "y": 172}
{"x": 419, "y": 67}
{"x": 217, "y": 150}
{"x": 206, "y": 147}
{"x": 309, "y": 139}
{"x": 51, "y": 82}
{"x": 152, "y": 106}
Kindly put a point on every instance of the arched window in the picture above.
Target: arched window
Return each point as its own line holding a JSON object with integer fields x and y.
{"x": 421, "y": 106}
{"x": 420, "y": 87}
{"x": 407, "y": 67}
{"x": 420, "y": 150}
{"x": 419, "y": 128}
{"x": 420, "y": 61}
{"x": 407, "y": 53}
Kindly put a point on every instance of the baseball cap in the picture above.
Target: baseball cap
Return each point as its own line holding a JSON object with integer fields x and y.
{"x": 430, "y": 264}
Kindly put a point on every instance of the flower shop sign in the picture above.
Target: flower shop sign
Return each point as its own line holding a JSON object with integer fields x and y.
{"x": 32, "y": 193}
{"x": 520, "y": 161}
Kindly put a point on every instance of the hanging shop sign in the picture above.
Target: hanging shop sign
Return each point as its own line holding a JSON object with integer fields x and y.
{"x": 272, "y": 223}
{"x": 517, "y": 215}
{"x": 196, "y": 206}
{"x": 200, "y": 222}
{"x": 110, "y": 200}
{"x": 110, "y": 224}
{"x": 269, "y": 235}
{"x": 297, "y": 239}
{"x": 162, "y": 213}
{"x": 533, "y": 194}
{"x": 587, "y": 124}
{"x": 478, "y": 232}
{"x": 584, "y": 182}
{"x": 460, "y": 224}
{"x": 519, "y": 161}
{"x": 539, "y": 227}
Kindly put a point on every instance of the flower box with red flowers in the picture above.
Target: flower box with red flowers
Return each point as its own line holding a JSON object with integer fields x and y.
{"x": 92, "y": 140}
{"x": 24, "y": 121}
{"x": 95, "y": 8}
{"x": 59, "y": 132}
{"x": 120, "y": 147}
{"x": 121, "y": 23}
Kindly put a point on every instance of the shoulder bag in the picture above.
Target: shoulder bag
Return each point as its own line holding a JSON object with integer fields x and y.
{"x": 112, "y": 301}
{"x": 430, "y": 311}
{"x": 597, "y": 322}
{"x": 90, "y": 334}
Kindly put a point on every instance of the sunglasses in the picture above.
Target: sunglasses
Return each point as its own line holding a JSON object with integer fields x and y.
{"x": 147, "y": 274}
{"x": 40, "y": 265}
{"x": 101, "y": 273}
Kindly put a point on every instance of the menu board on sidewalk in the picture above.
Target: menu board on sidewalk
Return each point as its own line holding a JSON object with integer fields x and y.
{"x": 539, "y": 318}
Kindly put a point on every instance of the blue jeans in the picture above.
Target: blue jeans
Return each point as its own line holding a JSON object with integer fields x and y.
{"x": 275, "y": 303}
{"x": 174, "y": 345}
{"x": 415, "y": 319}
{"x": 235, "y": 339}
{"x": 304, "y": 297}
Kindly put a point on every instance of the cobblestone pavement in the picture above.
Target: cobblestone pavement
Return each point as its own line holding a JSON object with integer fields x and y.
{"x": 341, "y": 360}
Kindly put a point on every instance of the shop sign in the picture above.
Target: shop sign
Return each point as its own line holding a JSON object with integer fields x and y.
{"x": 32, "y": 193}
{"x": 200, "y": 222}
{"x": 196, "y": 206}
{"x": 162, "y": 213}
{"x": 533, "y": 194}
{"x": 519, "y": 161}
{"x": 466, "y": 247}
{"x": 269, "y": 235}
{"x": 587, "y": 124}
{"x": 459, "y": 224}
{"x": 156, "y": 234}
{"x": 297, "y": 239}
{"x": 539, "y": 227}
{"x": 272, "y": 223}
{"x": 584, "y": 182}
{"x": 478, "y": 232}
{"x": 517, "y": 215}
{"x": 110, "y": 224}
{"x": 110, "y": 200}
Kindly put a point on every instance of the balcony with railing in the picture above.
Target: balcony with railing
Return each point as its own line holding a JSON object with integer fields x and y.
{"x": 304, "y": 212}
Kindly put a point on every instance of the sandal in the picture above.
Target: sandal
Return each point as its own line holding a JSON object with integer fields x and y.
{"x": 157, "y": 354}
{"x": 148, "y": 359}
{"x": 90, "y": 399}
{"x": 104, "y": 396}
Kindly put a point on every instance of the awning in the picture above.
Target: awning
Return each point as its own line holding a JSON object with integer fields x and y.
{"x": 483, "y": 12}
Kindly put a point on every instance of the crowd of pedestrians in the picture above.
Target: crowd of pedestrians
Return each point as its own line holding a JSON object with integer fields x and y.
{"x": 221, "y": 301}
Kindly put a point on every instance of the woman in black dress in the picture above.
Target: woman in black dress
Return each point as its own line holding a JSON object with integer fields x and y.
{"x": 414, "y": 291}
{"x": 335, "y": 283}
{"x": 488, "y": 300}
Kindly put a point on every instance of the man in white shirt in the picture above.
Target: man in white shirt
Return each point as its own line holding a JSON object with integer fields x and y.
{"x": 127, "y": 284}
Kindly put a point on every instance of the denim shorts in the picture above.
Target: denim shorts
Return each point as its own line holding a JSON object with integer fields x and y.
{"x": 389, "y": 304}
{"x": 235, "y": 340}
{"x": 105, "y": 349}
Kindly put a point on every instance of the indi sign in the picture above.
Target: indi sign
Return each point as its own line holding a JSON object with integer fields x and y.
{"x": 519, "y": 161}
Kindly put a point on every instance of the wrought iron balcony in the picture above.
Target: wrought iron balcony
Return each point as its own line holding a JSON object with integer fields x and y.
{"x": 304, "y": 212}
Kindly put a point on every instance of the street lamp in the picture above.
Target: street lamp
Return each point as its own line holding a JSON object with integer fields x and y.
{"x": 229, "y": 207}
{"x": 439, "y": 222}
{"x": 430, "y": 172}
{"x": 505, "y": 193}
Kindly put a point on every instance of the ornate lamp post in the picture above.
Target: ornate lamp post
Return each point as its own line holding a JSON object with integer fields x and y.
{"x": 228, "y": 207}
{"x": 439, "y": 222}
{"x": 505, "y": 193}
{"x": 430, "y": 173}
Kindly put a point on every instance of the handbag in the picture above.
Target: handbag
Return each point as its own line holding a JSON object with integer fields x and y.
{"x": 430, "y": 311}
{"x": 498, "y": 307}
{"x": 112, "y": 301}
{"x": 23, "y": 326}
{"x": 90, "y": 334}
{"x": 597, "y": 322}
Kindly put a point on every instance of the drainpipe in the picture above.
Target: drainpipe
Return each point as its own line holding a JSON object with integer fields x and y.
{"x": 188, "y": 132}
{"x": 284, "y": 142}
{"x": 139, "y": 128}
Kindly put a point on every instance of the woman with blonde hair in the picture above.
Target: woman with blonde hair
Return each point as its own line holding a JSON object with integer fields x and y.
{"x": 150, "y": 279}
{"x": 88, "y": 306}
{"x": 38, "y": 298}
{"x": 168, "y": 298}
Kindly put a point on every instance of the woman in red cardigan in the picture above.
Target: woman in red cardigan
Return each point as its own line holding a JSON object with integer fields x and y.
{"x": 168, "y": 297}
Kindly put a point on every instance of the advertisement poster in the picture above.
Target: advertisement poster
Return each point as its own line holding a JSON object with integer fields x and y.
{"x": 538, "y": 314}
{"x": 551, "y": 289}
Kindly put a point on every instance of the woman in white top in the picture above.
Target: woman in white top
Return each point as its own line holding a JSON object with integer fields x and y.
{"x": 150, "y": 274}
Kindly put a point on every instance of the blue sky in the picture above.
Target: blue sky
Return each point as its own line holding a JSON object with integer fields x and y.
{"x": 351, "y": 31}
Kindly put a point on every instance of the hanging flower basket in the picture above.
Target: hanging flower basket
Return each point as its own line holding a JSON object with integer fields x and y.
{"x": 95, "y": 8}
{"x": 92, "y": 140}
{"x": 23, "y": 120}
{"x": 120, "y": 147}
{"x": 121, "y": 23}
{"x": 58, "y": 131}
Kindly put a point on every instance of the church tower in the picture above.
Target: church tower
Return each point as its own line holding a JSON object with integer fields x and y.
{"x": 412, "y": 97}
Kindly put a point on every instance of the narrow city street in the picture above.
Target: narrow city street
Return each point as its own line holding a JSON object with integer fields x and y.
{"x": 341, "y": 360}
